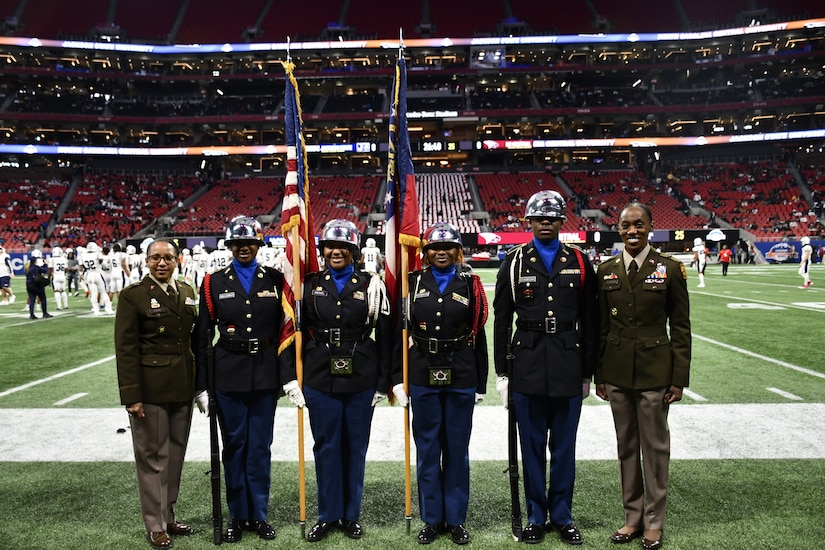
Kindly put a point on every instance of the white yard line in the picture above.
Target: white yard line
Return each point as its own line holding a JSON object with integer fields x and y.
{"x": 785, "y": 394}
{"x": 70, "y": 399}
{"x": 762, "y": 357}
{"x": 56, "y": 376}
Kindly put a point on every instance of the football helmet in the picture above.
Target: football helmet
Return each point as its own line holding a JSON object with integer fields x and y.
{"x": 57, "y": 252}
{"x": 697, "y": 241}
{"x": 371, "y": 242}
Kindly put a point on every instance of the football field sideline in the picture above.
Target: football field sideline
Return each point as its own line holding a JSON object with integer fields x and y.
{"x": 739, "y": 431}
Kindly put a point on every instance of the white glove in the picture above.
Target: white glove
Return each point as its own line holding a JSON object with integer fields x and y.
{"x": 502, "y": 384}
{"x": 400, "y": 395}
{"x": 202, "y": 399}
{"x": 585, "y": 388}
{"x": 479, "y": 398}
{"x": 378, "y": 397}
{"x": 293, "y": 391}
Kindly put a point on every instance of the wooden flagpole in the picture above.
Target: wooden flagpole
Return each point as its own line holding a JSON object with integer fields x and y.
{"x": 297, "y": 289}
{"x": 405, "y": 365}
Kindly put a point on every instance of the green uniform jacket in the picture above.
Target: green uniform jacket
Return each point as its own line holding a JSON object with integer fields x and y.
{"x": 155, "y": 362}
{"x": 635, "y": 349}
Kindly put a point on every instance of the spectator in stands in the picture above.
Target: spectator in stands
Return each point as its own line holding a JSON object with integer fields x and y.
{"x": 346, "y": 373}
{"x": 642, "y": 293}
{"x": 551, "y": 288}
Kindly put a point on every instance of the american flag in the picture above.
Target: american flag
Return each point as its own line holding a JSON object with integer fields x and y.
{"x": 295, "y": 211}
{"x": 402, "y": 225}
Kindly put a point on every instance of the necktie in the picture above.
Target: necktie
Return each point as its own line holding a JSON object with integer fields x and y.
{"x": 633, "y": 270}
{"x": 170, "y": 290}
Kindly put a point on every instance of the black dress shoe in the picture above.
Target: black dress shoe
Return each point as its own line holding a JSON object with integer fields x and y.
{"x": 352, "y": 529}
{"x": 532, "y": 534}
{"x": 648, "y": 544}
{"x": 264, "y": 530}
{"x": 320, "y": 530}
{"x": 428, "y": 534}
{"x": 179, "y": 529}
{"x": 459, "y": 534}
{"x": 234, "y": 531}
{"x": 623, "y": 538}
{"x": 568, "y": 533}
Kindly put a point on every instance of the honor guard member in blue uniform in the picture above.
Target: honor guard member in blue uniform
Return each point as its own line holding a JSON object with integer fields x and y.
{"x": 244, "y": 301}
{"x": 448, "y": 366}
{"x": 551, "y": 288}
{"x": 345, "y": 374}
{"x": 644, "y": 364}
{"x": 156, "y": 376}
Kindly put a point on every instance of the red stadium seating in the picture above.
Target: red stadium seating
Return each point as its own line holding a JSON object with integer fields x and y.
{"x": 149, "y": 20}
{"x": 210, "y": 214}
{"x": 214, "y": 21}
{"x": 53, "y": 18}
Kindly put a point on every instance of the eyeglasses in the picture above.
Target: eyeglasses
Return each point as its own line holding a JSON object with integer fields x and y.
{"x": 157, "y": 257}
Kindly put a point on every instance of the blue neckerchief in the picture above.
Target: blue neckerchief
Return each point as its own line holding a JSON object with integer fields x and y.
{"x": 547, "y": 251}
{"x": 340, "y": 276}
{"x": 443, "y": 276}
{"x": 245, "y": 273}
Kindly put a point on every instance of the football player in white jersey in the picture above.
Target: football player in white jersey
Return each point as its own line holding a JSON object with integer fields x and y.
{"x": 59, "y": 265}
{"x": 221, "y": 258}
{"x": 78, "y": 254}
{"x": 266, "y": 255}
{"x": 132, "y": 263}
{"x": 186, "y": 266}
{"x": 700, "y": 259}
{"x": 93, "y": 276}
{"x": 6, "y": 274}
{"x": 106, "y": 268}
{"x": 371, "y": 257}
{"x": 119, "y": 271}
{"x": 805, "y": 262}
{"x": 200, "y": 266}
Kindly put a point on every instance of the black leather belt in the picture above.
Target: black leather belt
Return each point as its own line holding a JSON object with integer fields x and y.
{"x": 337, "y": 336}
{"x": 548, "y": 325}
{"x": 435, "y": 345}
{"x": 251, "y": 347}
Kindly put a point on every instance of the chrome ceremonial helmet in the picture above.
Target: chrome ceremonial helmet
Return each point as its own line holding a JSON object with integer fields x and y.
{"x": 546, "y": 204}
{"x": 342, "y": 231}
{"x": 441, "y": 233}
{"x": 244, "y": 228}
